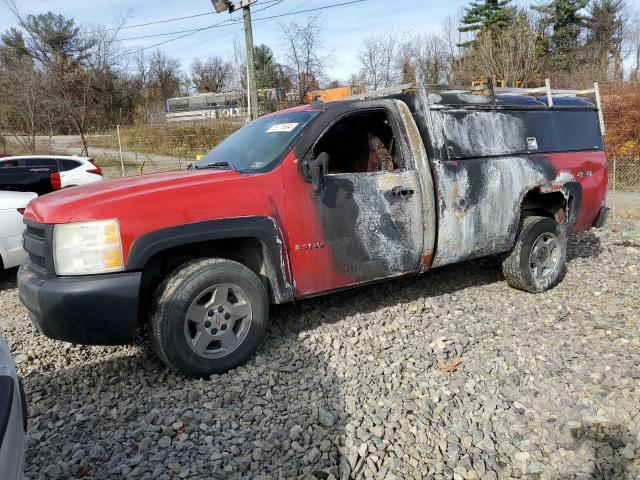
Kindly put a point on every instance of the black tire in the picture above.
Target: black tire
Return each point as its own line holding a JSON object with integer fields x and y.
{"x": 171, "y": 326}
{"x": 522, "y": 267}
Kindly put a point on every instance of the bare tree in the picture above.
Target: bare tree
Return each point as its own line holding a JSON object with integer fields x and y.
{"x": 164, "y": 76}
{"x": 358, "y": 84}
{"x": 607, "y": 26}
{"x": 108, "y": 66}
{"x": 106, "y": 51}
{"x": 634, "y": 48}
{"x": 378, "y": 60}
{"x": 304, "y": 53}
{"x": 454, "y": 39}
{"x": 210, "y": 75}
{"x": 59, "y": 49}
{"x": 511, "y": 56}
{"x": 426, "y": 53}
{"x": 22, "y": 99}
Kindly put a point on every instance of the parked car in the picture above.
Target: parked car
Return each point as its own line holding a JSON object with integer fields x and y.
{"x": 308, "y": 201}
{"x": 37, "y": 179}
{"x": 12, "y": 205}
{"x": 13, "y": 417}
{"x": 73, "y": 170}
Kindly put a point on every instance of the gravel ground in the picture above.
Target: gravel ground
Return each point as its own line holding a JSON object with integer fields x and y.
{"x": 448, "y": 375}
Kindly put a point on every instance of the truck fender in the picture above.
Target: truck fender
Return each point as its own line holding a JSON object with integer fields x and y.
{"x": 264, "y": 229}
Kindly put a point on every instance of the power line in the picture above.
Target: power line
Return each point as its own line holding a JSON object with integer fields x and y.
{"x": 310, "y": 10}
{"x": 191, "y": 45}
{"x": 174, "y": 19}
{"x": 288, "y": 13}
{"x": 195, "y": 30}
{"x": 215, "y": 25}
{"x": 274, "y": 4}
{"x": 209, "y": 40}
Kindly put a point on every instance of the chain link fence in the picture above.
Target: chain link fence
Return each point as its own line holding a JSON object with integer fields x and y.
{"x": 129, "y": 151}
{"x": 624, "y": 187}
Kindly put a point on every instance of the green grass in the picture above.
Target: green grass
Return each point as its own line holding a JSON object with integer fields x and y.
{"x": 176, "y": 140}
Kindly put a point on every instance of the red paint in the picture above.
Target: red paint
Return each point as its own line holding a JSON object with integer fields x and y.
{"x": 313, "y": 270}
{"x": 150, "y": 202}
{"x": 594, "y": 186}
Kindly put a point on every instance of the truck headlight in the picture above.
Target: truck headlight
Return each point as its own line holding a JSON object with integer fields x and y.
{"x": 85, "y": 248}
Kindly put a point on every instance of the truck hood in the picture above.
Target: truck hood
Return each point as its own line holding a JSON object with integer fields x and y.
{"x": 94, "y": 201}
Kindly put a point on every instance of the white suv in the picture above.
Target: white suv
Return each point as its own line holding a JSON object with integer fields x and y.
{"x": 12, "y": 206}
{"x": 73, "y": 170}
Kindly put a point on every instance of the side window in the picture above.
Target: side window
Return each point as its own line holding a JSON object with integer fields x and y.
{"x": 66, "y": 165}
{"x": 359, "y": 143}
{"x": 8, "y": 163}
{"x": 40, "y": 162}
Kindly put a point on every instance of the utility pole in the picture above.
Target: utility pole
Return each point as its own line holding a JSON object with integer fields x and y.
{"x": 252, "y": 83}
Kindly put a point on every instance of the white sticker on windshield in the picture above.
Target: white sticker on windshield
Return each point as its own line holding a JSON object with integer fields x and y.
{"x": 282, "y": 127}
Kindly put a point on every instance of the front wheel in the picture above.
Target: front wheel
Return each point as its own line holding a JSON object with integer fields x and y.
{"x": 209, "y": 317}
{"x": 538, "y": 259}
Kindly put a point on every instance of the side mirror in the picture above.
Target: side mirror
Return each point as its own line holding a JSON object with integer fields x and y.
{"x": 315, "y": 171}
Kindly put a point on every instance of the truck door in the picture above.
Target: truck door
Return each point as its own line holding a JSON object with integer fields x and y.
{"x": 366, "y": 222}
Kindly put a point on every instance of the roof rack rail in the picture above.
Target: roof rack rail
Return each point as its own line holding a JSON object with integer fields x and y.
{"x": 492, "y": 91}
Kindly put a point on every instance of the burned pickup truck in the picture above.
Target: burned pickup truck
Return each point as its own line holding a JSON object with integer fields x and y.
{"x": 312, "y": 200}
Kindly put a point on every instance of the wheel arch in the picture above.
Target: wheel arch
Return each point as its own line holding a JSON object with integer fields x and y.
{"x": 562, "y": 204}
{"x": 256, "y": 242}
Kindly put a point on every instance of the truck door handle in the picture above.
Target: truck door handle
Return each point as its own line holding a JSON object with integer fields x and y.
{"x": 400, "y": 192}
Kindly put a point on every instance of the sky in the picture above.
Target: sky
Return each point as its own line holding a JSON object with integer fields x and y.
{"x": 345, "y": 27}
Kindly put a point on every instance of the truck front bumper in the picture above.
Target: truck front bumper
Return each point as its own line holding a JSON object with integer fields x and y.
{"x": 89, "y": 310}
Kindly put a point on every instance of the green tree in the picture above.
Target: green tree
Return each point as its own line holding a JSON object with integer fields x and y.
{"x": 59, "y": 49}
{"x": 566, "y": 21}
{"x": 605, "y": 25}
{"x": 266, "y": 67}
{"x": 488, "y": 14}
{"x": 50, "y": 37}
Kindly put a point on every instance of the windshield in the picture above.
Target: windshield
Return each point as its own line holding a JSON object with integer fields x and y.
{"x": 260, "y": 145}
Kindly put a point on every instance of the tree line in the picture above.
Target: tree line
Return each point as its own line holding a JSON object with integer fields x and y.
{"x": 57, "y": 76}
{"x": 572, "y": 42}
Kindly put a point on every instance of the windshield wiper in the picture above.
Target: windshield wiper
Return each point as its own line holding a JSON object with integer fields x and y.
{"x": 219, "y": 165}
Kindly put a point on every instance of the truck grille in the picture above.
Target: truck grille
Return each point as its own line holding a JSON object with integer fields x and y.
{"x": 36, "y": 240}
{"x": 38, "y": 260}
{"x": 35, "y": 231}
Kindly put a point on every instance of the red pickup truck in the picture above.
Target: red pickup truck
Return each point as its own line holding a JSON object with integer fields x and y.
{"x": 308, "y": 201}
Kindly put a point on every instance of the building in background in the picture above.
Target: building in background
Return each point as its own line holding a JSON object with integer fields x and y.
{"x": 327, "y": 95}
{"x": 205, "y": 106}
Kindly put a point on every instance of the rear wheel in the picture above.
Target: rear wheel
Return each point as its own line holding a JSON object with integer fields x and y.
{"x": 538, "y": 259}
{"x": 209, "y": 317}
